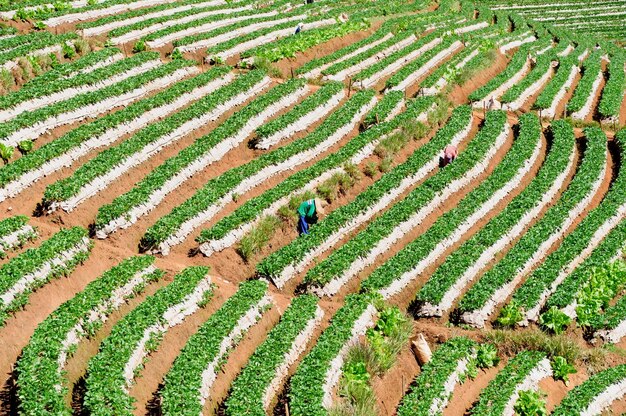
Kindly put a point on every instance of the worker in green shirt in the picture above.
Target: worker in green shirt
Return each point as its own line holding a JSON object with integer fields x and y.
{"x": 308, "y": 213}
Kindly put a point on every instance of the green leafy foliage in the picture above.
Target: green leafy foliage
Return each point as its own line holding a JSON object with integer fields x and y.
{"x": 530, "y": 403}
{"x": 561, "y": 369}
{"x": 33, "y": 259}
{"x": 38, "y": 369}
{"x": 106, "y": 385}
{"x": 306, "y": 393}
{"x": 248, "y": 389}
{"x": 495, "y": 396}
{"x": 183, "y": 382}
{"x": 220, "y": 186}
{"x": 73, "y": 139}
{"x": 554, "y": 320}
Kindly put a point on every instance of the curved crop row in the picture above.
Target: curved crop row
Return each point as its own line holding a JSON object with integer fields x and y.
{"x": 30, "y": 99}
{"x": 150, "y": 191}
{"x": 109, "y": 164}
{"x": 266, "y": 370}
{"x": 500, "y": 280}
{"x": 175, "y": 226}
{"x": 65, "y": 150}
{"x": 613, "y": 93}
{"x": 281, "y": 264}
{"x": 231, "y": 228}
{"x": 40, "y": 370}
{"x": 399, "y": 270}
{"x": 435, "y": 382}
{"x": 312, "y": 385}
{"x": 301, "y": 116}
{"x": 415, "y": 70}
{"x": 576, "y": 246}
{"x": 122, "y": 354}
{"x": 595, "y": 394}
{"x": 15, "y": 232}
{"x": 461, "y": 266}
{"x": 580, "y": 103}
{"x": 30, "y": 125}
{"x": 56, "y": 256}
{"x": 188, "y": 382}
{"x": 524, "y": 372}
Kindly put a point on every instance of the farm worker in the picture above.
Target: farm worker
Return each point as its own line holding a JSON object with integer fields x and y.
{"x": 449, "y": 154}
{"x": 299, "y": 28}
{"x": 308, "y": 212}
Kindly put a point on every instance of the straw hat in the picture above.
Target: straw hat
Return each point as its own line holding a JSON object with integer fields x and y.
{"x": 319, "y": 206}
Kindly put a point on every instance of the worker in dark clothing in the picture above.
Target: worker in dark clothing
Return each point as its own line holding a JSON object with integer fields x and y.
{"x": 308, "y": 213}
{"x": 299, "y": 28}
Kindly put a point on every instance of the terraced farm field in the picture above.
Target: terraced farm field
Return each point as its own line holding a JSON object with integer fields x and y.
{"x": 155, "y": 153}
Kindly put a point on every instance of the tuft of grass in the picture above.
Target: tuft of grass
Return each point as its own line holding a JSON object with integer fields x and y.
{"x": 370, "y": 169}
{"x": 288, "y": 212}
{"x": 266, "y": 65}
{"x": 253, "y": 242}
{"x": 6, "y": 80}
{"x": 337, "y": 184}
{"x": 385, "y": 165}
{"x": 357, "y": 397}
{"x": 511, "y": 342}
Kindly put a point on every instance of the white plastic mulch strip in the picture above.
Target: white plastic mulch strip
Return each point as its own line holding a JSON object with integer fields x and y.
{"x": 27, "y": 281}
{"x": 432, "y": 63}
{"x": 98, "y": 30}
{"x": 531, "y": 382}
{"x": 67, "y": 159}
{"x": 303, "y": 122}
{"x": 214, "y": 155}
{"x": 390, "y": 69}
{"x": 489, "y": 253}
{"x": 136, "y": 34}
{"x": 341, "y": 75}
{"x": 397, "y": 285}
{"x": 9, "y": 241}
{"x": 101, "y": 314}
{"x": 99, "y": 183}
{"x": 443, "y": 81}
{"x": 235, "y": 235}
{"x": 495, "y": 94}
{"x": 516, "y": 43}
{"x": 173, "y": 316}
{"x": 333, "y": 287}
{"x": 596, "y": 239}
{"x": 92, "y": 110}
{"x": 297, "y": 348}
{"x": 110, "y": 60}
{"x": 251, "y": 182}
{"x": 365, "y": 321}
{"x": 115, "y": 9}
{"x": 584, "y": 112}
{"x": 270, "y": 37}
{"x": 471, "y": 28}
{"x": 314, "y": 73}
{"x": 479, "y": 317}
{"x": 209, "y": 375}
{"x": 207, "y": 43}
{"x": 530, "y": 91}
{"x": 66, "y": 94}
{"x": 551, "y": 112}
{"x": 605, "y": 399}
{"x": 440, "y": 402}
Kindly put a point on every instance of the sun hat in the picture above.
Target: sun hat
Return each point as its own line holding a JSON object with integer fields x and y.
{"x": 319, "y": 206}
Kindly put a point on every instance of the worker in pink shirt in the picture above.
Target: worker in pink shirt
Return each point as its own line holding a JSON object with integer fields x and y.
{"x": 449, "y": 154}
